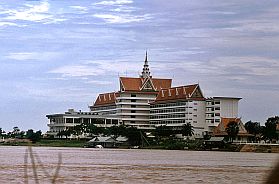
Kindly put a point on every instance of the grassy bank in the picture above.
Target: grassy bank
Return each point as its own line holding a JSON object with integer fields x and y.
{"x": 195, "y": 145}
{"x": 49, "y": 143}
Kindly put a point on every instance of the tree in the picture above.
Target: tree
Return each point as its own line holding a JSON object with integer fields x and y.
{"x": 65, "y": 133}
{"x": 134, "y": 136}
{"x": 232, "y": 130}
{"x": 91, "y": 129}
{"x": 15, "y": 132}
{"x": 270, "y": 128}
{"x": 163, "y": 131}
{"x": 34, "y": 137}
{"x": 116, "y": 131}
{"x": 78, "y": 129}
{"x": 253, "y": 128}
{"x": 187, "y": 130}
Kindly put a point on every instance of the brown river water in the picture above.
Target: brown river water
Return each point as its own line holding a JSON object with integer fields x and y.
{"x": 91, "y": 165}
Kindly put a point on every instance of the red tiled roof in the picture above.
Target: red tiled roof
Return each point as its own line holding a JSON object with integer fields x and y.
{"x": 131, "y": 84}
{"x": 221, "y": 128}
{"x": 135, "y": 84}
{"x": 161, "y": 83}
{"x": 176, "y": 93}
{"x": 106, "y": 98}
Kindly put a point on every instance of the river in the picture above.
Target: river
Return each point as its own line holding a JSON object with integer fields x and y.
{"x": 89, "y": 165}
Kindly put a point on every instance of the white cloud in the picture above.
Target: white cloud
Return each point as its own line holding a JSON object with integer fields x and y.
{"x": 8, "y": 24}
{"x": 97, "y": 68}
{"x": 120, "y": 12}
{"x": 99, "y": 82}
{"x": 122, "y": 18}
{"x": 246, "y": 65}
{"x": 229, "y": 65}
{"x": 31, "y": 13}
{"x": 34, "y": 13}
{"x": 57, "y": 94}
{"x": 124, "y": 9}
{"x": 82, "y": 9}
{"x": 21, "y": 56}
{"x": 221, "y": 13}
{"x": 76, "y": 71}
{"x": 111, "y": 3}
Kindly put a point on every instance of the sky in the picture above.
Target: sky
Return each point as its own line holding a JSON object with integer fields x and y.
{"x": 60, "y": 54}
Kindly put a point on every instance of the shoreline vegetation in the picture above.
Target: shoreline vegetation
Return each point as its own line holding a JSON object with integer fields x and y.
{"x": 264, "y": 139}
{"x": 191, "y": 145}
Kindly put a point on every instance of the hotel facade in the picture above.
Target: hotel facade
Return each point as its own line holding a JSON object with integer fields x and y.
{"x": 146, "y": 102}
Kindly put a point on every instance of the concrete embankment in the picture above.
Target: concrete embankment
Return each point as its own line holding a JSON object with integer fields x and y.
{"x": 260, "y": 148}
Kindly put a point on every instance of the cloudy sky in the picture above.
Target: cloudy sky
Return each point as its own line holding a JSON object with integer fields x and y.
{"x": 59, "y": 54}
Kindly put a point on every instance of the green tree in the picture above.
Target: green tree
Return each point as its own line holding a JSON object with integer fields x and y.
{"x": 253, "y": 128}
{"x": 78, "y": 129}
{"x": 187, "y": 130}
{"x": 92, "y": 129}
{"x": 66, "y": 133}
{"x": 15, "y": 132}
{"x": 1, "y": 132}
{"x": 117, "y": 131}
{"x": 33, "y": 136}
{"x": 134, "y": 136}
{"x": 163, "y": 131}
{"x": 270, "y": 128}
{"x": 232, "y": 130}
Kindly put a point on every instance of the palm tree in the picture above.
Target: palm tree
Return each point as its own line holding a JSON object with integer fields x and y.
{"x": 232, "y": 130}
{"x": 187, "y": 130}
{"x": 163, "y": 131}
{"x": 1, "y": 132}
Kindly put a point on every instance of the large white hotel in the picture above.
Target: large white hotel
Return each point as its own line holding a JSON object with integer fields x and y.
{"x": 146, "y": 102}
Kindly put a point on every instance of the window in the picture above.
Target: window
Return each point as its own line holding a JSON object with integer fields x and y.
{"x": 217, "y": 114}
{"x": 217, "y": 108}
{"x": 133, "y": 116}
{"x": 133, "y": 106}
{"x": 69, "y": 120}
{"x": 77, "y": 120}
{"x": 217, "y": 102}
{"x": 133, "y": 100}
{"x": 133, "y": 111}
{"x": 133, "y": 95}
{"x": 217, "y": 120}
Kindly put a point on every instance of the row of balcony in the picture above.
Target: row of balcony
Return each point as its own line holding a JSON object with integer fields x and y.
{"x": 135, "y": 98}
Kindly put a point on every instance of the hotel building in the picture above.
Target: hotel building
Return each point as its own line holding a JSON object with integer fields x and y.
{"x": 146, "y": 102}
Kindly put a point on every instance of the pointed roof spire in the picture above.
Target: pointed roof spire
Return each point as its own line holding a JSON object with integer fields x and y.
{"x": 145, "y": 71}
{"x": 145, "y": 61}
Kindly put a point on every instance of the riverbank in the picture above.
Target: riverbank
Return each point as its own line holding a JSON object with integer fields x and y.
{"x": 46, "y": 143}
{"x": 260, "y": 148}
{"x": 168, "y": 145}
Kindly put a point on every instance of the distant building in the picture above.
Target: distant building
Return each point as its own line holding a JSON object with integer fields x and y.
{"x": 146, "y": 102}
{"x": 71, "y": 118}
{"x": 180, "y": 105}
{"x": 220, "y": 130}
{"x": 220, "y": 107}
{"x": 131, "y": 104}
